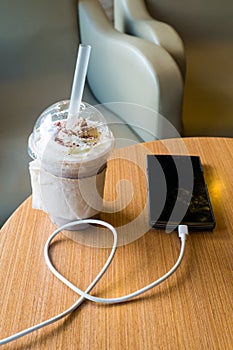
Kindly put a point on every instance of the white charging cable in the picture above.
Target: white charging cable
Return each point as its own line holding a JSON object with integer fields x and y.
{"x": 182, "y": 232}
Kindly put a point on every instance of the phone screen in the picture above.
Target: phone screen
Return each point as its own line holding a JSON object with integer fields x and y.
{"x": 177, "y": 193}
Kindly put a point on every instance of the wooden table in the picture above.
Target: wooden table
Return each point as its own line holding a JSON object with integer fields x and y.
{"x": 190, "y": 310}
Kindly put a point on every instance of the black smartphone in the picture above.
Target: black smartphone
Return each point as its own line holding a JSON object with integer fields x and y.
{"x": 177, "y": 193}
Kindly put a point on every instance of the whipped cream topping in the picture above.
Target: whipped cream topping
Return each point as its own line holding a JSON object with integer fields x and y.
{"x": 54, "y": 141}
{"x": 81, "y": 134}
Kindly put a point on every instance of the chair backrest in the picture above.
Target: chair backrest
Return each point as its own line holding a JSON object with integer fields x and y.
{"x": 132, "y": 17}
{"x": 127, "y": 69}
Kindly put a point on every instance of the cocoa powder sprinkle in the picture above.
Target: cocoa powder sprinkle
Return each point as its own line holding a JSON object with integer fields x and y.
{"x": 81, "y": 131}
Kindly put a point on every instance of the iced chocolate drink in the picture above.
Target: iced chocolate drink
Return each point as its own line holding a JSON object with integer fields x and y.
{"x": 68, "y": 170}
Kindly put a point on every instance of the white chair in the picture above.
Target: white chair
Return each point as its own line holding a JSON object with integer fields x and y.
{"x": 128, "y": 69}
{"x": 132, "y": 17}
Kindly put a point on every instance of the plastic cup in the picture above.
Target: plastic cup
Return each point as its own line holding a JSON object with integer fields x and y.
{"x": 69, "y": 166}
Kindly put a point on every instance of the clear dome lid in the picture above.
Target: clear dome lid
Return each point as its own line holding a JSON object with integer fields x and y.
{"x": 83, "y": 137}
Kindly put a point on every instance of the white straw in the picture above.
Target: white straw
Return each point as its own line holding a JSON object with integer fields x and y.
{"x": 78, "y": 84}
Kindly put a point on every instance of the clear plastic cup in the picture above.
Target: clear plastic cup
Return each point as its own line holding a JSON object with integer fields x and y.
{"x": 69, "y": 166}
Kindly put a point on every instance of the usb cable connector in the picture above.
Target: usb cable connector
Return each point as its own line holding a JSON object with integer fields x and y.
{"x": 183, "y": 231}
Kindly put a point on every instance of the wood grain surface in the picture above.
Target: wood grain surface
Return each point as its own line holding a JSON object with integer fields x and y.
{"x": 190, "y": 310}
